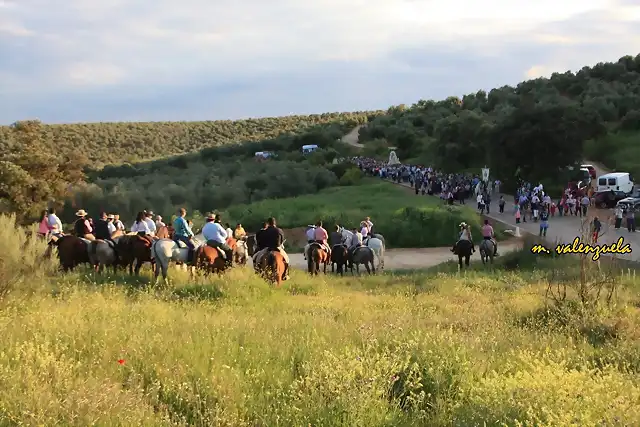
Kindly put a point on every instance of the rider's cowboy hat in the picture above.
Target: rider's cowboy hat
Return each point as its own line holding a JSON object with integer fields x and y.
{"x": 81, "y": 212}
{"x": 110, "y": 216}
{"x": 463, "y": 224}
{"x": 211, "y": 216}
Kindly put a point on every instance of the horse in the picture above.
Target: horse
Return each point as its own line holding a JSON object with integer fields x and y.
{"x": 317, "y": 255}
{"x": 376, "y": 244}
{"x": 487, "y": 249}
{"x": 208, "y": 259}
{"x": 103, "y": 253}
{"x": 271, "y": 267}
{"x": 362, "y": 255}
{"x": 240, "y": 252}
{"x": 339, "y": 258}
{"x": 252, "y": 245}
{"x": 163, "y": 251}
{"x": 464, "y": 250}
{"x": 72, "y": 251}
{"x": 163, "y": 233}
{"x": 134, "y": 250}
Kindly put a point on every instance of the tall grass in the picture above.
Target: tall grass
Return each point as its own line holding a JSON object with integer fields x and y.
{"x": 390, "y": 350}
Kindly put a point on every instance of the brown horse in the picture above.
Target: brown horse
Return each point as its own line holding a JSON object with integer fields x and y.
{"x": 317, "y": 256}
{"x": 134, "y": 249}
{"x": 271, "y": 267}
{"x": 209, "y": 260}
{"x": 72, "y": 251}
{"x": 164, "y": 233}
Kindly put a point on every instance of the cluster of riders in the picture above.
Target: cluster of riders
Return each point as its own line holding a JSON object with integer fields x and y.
{"x": 104, "y": 242}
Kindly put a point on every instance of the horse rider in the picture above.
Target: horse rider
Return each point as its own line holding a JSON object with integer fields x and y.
{"x": 465, "y": 234}
{"x": 159, "y": 223}
{"x": 489, "y": 234}
{"x": 103, "y": 228}
{"x": 82, "y": 227}
{"x": 148, "y": 219}
{"x": 239, "y": 232}
{"x": 55, "y": 225}
{"x": 227, "y": 228}
{"x": 216, "y": 236}
{"x": 183, "y": 233}
{"x": 322, "y": 237}
{"x": 356, "y": 242}
{"x": 118, "y": 224}
{"x": 335, "y": 238}
{"x": 367, "y": 220}
{"x": 271, "y": 239}
{"x": 365, "y": 231}
{"x": 140, "y": 225}
{"x": 311, "y": 237}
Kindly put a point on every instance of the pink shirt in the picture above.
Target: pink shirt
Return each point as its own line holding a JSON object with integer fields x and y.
{"x": 487, "y": 231}
{"x": 44, "y": 226}
{"x": 321, "y": 234}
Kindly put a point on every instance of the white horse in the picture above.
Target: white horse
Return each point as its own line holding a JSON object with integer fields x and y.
{"x": 376, "y": 245}
{"x": 163, "y": 251}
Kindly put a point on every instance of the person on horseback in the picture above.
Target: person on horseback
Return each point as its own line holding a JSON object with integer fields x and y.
{"x": 103, "y": 228}
{"x": 216, "y": 236}
{"x": 364, "y": 231}
{"x": 82, "y": 227}
{"x": 465, "y": 234}
{"x": 272, "y": 239}
{"x": 367, "y": 221}
{"x": 239, "y": 232}
{"x": 55, "y": 225}
{"x": 140, "y": 225}
{"x": 311, "y": 237}
{"x": 118, "y": 224}
{"x": 183, "y": 233}
{"x": 489, "y": 234}
{"x": 148, "y": 219}
{"x": 322, "y": 237}
{"x": 356, "y": 242}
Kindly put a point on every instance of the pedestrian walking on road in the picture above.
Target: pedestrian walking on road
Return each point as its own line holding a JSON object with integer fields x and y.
{"x": 631, "y": 220}
{"x": 619, "y": 214}
{"x": 544, "y": 222}
{"x": 597, "y": 226}
{"x": 501, "y": 204}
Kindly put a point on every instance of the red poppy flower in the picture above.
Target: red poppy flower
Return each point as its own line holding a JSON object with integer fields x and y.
{"x": 121, "y": 361}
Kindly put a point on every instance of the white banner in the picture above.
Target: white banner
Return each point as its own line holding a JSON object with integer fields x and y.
{"x": 485, "y": 174}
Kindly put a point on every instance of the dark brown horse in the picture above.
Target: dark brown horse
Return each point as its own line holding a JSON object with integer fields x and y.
{"x": 72, "y": 251}
{"x": 339, "y": 258}
{"x": 317, "y": 255}
{"x": 134, "y": 249}
{"x": 271, "y": 267}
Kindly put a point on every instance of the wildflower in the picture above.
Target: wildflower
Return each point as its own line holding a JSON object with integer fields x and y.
{"x": 121, "y": 361}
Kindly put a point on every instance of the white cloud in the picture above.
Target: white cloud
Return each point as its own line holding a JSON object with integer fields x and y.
{"x": 76, "y": 45}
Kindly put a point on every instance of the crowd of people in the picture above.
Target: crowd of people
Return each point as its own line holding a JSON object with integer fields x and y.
{"x": 529, "y": 201}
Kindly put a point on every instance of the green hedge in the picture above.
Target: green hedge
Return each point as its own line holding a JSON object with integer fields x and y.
{"x": 404, "y": 219}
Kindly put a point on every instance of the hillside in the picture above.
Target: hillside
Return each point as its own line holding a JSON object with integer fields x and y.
{"x": 116, "y": 143}
{"x": 537, "y": 126}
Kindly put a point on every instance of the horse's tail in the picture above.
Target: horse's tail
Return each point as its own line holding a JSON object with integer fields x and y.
{"x": 272, "y": 263}
{"x": 310, "y": 260}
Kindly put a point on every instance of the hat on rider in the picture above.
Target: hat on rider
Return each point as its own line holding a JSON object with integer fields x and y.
{"x": 463, "y": 225}
{"x": 211, "y": 217}
{"x": 81, "y": 212}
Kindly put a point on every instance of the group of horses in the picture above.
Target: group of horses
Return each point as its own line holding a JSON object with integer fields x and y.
{"x": 341, "y": 258}
{"x": 132, "y": 250}
{"x": 464, "y": 250}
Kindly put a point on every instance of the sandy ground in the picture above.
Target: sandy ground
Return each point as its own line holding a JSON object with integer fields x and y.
{"x": 416, "y": 258}
{"x": 352, "y": 137}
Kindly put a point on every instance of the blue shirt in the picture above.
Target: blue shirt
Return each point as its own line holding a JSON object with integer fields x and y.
{"x": 182, "y": 228}
{"x": 214, "y": 231}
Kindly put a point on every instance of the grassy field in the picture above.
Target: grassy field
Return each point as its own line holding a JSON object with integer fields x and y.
{"x": 404, "y": 219}
{"x": 391, "y": 350}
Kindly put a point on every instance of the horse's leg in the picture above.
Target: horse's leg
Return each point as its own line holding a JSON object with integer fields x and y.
{"x": 459, "y": 262}
{"x": 466, "y": 260}
{"x": 138, "y": 266}
{"x": 325, "y": 266}
{"x": 373, "y": 268}
{"x": 366, "y": 265}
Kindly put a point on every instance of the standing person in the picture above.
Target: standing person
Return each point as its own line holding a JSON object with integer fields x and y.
{"x": 631, "y": 219}
{"x": 618, "y": 214}
{"x": 544, "y": 222}
{"x": 501, "y": 204}
{"x": 584, "y": 204}
{"x": 183, "y": 233}
{"x": 597, "y": 226}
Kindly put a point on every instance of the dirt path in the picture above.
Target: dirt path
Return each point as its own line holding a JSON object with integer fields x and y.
{"x": 352, "y": 137}
{"x": 416, "y": 258}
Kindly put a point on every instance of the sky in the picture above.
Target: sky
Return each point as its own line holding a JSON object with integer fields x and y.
{"x": 66, "y": 61}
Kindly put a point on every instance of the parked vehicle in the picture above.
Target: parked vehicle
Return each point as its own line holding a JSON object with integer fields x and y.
{"x": 608, "y": 199}
{"x": 590, "y": 169}
{"x": 616, "y": 181}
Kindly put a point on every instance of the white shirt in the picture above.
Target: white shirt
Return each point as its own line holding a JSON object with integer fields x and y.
{"x": 137, "y": 227}
{"x": 479, "y": 198}
{"x": 364, "y": 232}
{"x": 111, "y": 227}
{"x": 229, "y": 232}
{"x": 311, "y": 234}
{"x": 214, "y": 231}
{"x": 150, "y": 225}
{"x": 55, "y": 223}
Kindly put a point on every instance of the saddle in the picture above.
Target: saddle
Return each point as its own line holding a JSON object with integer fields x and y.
{"x": 221, "y": 251}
